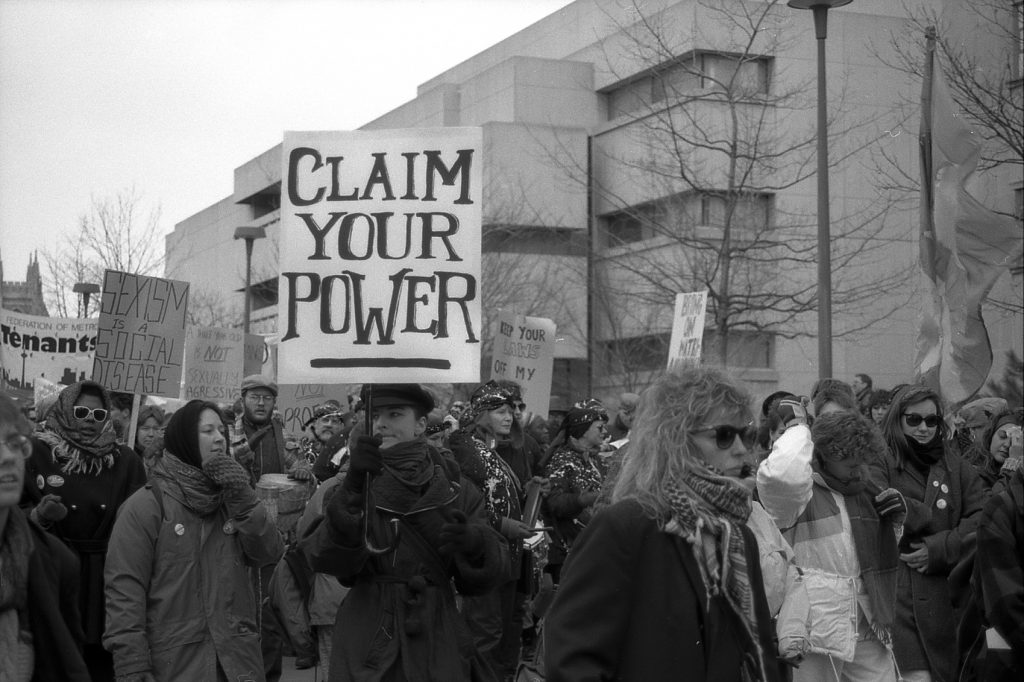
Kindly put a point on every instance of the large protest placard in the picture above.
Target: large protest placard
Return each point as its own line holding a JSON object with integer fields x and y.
{"x": 58, "y": 349}
{"x": 524, "y": 351}
{"x": 214, "y": 362}
{"x": 380, "y": 256}
{"x": 141, "y": 339}
{"x": 687, "y": 328}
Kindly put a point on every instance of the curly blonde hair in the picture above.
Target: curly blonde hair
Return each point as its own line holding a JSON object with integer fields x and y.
{"x": 661, "y": 448}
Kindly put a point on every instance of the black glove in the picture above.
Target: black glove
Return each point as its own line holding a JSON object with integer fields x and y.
{"x": 458, "y": 536}
{"x": 364, "y": 458}
{"x": 239, "y": 497}
{"x": 890, "y": 503}
{"x": 49, "y": 510}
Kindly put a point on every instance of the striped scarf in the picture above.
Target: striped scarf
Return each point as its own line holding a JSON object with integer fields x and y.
{"x": 708, "y": 511}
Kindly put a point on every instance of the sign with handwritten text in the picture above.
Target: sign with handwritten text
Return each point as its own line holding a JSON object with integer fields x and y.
{"x": 380, "y": 256}
{"x": 213, "y": 364}
{"x": 687, "y": 328}
{"x": 140, "y": 343}
{"x": 524, "y": 351}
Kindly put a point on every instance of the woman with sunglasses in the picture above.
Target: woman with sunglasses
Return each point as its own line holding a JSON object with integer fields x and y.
{"x": 75, "y": 482}
{"x": 944, "y": 497}
{"x": 665, "y": 583}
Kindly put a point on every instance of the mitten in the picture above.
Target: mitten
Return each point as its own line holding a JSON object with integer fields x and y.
{"x": 791, "y": 412}
{"x": 458, "y": 536}
{"x": 49, "y": 510}
{"x": 364, "y": 458}
{"x": 239, "y": 497}
{"x": 890, "y": 503}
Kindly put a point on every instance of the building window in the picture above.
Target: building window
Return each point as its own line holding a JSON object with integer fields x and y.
{"x": 264, "y": 294}
{"x": 635, "y": 354}
{"x": 747, "y": 349}
{"x": 684, "y": 212}
{"x": 695, "y": 74}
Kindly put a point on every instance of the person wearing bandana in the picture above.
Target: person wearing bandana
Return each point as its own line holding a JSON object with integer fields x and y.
{"x": 75, "y": 481}
{"x": 665, "y": 583}
{"x": 178, "y": 599}
{"x": 404, "y": 530}
{"x": 575, "y": 473}
{"x": 945, "y": 497}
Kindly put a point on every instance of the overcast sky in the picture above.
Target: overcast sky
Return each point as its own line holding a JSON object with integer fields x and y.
{"x": 169, "y": 96}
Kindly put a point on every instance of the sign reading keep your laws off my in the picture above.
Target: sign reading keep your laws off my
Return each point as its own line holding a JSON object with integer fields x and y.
{"x": 380, "y": 256}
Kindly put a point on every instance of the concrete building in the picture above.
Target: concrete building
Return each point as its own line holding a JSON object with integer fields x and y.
{"x": 619, "y": 144}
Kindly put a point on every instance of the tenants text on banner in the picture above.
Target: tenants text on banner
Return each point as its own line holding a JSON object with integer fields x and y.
{"x": 687, "y": 328}
{"x": 380, "y": 256}
{"x": 524, "y": 351}
{"x": 141, "y": 339}
{"x": 214, "y": 363}
{"x": 57, "y": 348}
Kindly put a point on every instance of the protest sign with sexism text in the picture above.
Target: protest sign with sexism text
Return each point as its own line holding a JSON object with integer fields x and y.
{"x": 380, "y": 256}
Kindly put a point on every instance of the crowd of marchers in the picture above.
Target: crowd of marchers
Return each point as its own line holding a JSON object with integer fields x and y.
{"x": 841, "y": 533}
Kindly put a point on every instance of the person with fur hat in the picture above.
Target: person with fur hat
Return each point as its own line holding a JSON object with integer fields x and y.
{"x": 178, "y": 600}
{"x": 491, "y": 417}
{"x": 837, "y": 621}
{"x": 575, "y": 473}
{"x": 404, "y": 530}
{"x": 77, "y": 478}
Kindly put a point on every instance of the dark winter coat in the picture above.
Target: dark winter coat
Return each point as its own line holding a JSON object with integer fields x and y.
{"x": 632, "y": 606}
{"x": 179, "y": 600}
{"x": 399, "y": 619}
{"x": 943, "y": 509}
{"x": 92, "y": 501}
{"x": 53, "y": 612}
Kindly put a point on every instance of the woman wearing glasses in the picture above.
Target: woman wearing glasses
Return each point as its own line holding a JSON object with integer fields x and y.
{"x": 40, "y": 630}
{"x": 944, "y": 498}
{"x": 665, "y": 583}
{"x": 75, "y": 481}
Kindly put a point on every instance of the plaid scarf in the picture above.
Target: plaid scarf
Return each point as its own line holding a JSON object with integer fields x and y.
{"x": 708, "y": 511}
{"x": 187, "y": 484}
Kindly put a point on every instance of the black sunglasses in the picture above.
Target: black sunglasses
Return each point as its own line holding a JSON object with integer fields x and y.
{"x": 82, "y": 412}
{"x": 725, "y": 434}
{"x": 914, "y": 419}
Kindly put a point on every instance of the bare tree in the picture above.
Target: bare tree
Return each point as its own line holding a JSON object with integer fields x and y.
{"x": 694, "y": 202}
{"x": 117, "y": 233}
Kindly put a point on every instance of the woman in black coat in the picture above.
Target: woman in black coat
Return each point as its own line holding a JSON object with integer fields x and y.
{"x": 665, "y": 583}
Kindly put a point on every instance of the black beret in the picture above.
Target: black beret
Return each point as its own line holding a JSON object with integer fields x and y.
{"x": 390, "y": 395}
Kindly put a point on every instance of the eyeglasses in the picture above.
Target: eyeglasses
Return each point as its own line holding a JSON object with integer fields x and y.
{"x": 725, "y": 434}
{"x": 83, "y": 412}
{"x": 19, "y": 444}
{"x": 914, "y": 419}
{"x": 259, "y": 399}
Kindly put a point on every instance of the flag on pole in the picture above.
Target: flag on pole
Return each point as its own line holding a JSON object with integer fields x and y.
{"x": 964, "y": 247}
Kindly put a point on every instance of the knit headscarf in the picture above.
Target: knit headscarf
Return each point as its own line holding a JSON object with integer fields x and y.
{"x": 74, "y": 452}
{"x": 708, "y": 511}
{"x": 181, "y": 467}
{"x": 486, "y": 397}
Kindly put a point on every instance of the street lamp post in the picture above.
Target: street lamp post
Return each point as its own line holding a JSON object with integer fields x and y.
{"x": 820, "y": 9}
{"x": 86, "y": 289}
{"x": 249, "y": 234}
